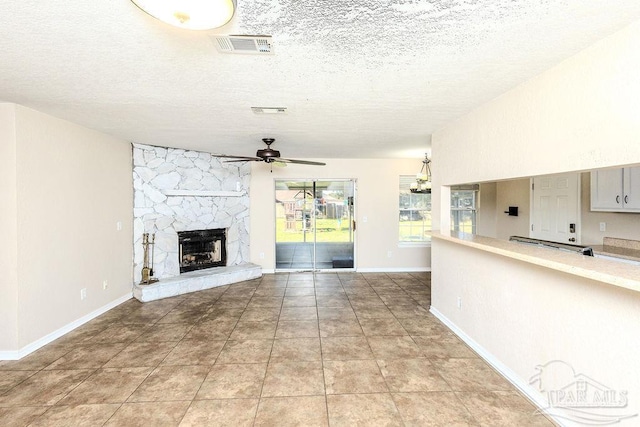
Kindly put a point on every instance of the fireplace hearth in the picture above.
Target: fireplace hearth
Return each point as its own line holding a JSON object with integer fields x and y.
{"x": 200, "y": 249}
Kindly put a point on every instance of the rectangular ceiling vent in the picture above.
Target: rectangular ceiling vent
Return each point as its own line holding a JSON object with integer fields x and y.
{"x": 269, "y": 110}
{"x": 256, "y": 45}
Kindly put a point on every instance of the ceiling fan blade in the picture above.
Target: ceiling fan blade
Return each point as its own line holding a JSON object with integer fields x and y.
{"x": 299, "y": 162}
{"x": 240, "y": 158}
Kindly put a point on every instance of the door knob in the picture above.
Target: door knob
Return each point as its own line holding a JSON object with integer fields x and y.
{"x": 572, "y": 239}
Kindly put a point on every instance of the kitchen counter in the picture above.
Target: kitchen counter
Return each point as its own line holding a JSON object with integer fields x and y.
{"x": 619, "y": 248}
{"x": 602, "y": 270}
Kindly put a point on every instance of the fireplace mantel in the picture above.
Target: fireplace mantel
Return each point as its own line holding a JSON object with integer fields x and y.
{"x": 203, "y": 193}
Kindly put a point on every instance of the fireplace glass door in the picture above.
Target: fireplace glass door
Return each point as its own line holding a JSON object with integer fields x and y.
{"x": 315, "y": 224}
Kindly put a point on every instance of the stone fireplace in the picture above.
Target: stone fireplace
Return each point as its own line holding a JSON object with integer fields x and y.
{"x": 178, "y": 195}
{"x": 200, "y": 249}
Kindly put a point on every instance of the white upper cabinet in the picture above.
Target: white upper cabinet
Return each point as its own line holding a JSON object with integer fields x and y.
{"x": 616, "y": 190}
{"x": 631, "y": 188}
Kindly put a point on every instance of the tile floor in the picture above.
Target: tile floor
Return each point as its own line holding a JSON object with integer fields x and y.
{"x": 338, "y": 349}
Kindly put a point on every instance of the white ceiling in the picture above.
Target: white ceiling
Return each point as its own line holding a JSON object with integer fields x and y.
{"x": 360, "y": 79}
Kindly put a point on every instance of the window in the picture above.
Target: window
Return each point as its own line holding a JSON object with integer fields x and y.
{"x": 414, "y": 212}
{"x": 463, "y": 209}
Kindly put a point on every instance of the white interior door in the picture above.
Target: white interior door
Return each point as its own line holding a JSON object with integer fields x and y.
{"x": 555, "y": 212}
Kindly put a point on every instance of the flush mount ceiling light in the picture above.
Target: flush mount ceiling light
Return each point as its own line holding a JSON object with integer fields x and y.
{"x": 190, "y": 14}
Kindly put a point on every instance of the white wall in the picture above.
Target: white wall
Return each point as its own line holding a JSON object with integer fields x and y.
{"x": 579, "y": 115}
{"x": 512, "y": 193}
{"x": 72, "y": 186}
{"x": 8, "y": 229}
{"x": 376, "y": 198}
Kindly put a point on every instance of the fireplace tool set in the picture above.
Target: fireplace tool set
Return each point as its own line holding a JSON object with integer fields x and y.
{"x": 147, "y": 267}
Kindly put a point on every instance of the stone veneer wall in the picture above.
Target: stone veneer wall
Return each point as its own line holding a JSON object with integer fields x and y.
{"x": 158, "y": 169}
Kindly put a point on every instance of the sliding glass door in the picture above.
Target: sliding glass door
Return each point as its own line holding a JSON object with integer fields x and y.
{"x": 314, "y": 224}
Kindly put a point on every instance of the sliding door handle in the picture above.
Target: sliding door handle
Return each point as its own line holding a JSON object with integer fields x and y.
{"x": 618, "y": 199}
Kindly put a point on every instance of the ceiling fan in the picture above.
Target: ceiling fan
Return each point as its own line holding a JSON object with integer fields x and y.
{"x": 269, "y": 155}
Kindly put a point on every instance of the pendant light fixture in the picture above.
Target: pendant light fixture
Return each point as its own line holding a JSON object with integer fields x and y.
{"x": 190, "y": 14}
{"x": 423, "y": 178}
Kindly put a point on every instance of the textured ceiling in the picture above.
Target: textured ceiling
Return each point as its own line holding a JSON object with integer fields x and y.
{"x": 363, "y": 78}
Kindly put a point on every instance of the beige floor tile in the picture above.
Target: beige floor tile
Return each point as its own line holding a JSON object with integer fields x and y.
{"x": 396, "y": 298}
{"x": 20, "y": 416}
{"x": 297, "y": 329}
{"x": 296, "y": 349}
{"x": 308, "y": 411}
{"x": 308, "y": 301}
{"x": 332, "y": 300}
{"x": 166, "y": 332}
{"x": 183, "y": 315}
{"x": 120, "y": 333}
{"x": 370, "y": 312}
{"x": 194, "y": 352}
{"x": 10, "y": 379}
{"x": 108, "y": 385}
{"x": 232, "y": 302}
{"x": 260, "y": 314}
{"x": 353, "y": 376}
{"x": 141, "y": 353}
{"x": 265, "y": 302}
{"x": 270, "y": 291}
{"x": 408, "y": 375}
{"x": 254, "y": 330}
{"x": 221, "y": 413}
{"x": 44, "y": 388}
{"x": 440, "y": 409}
{"x": 216, "y": 329}
{"x": 89, "y": 356}
{"x": 223, "y": 313}
{"x": 423, "y": 326}
{"x": 170, "y": 383}
{"x": 382, "y": 327}
{"x": 394, "y": 347}
{"x": 362, "y": 410}
{"x": 246, "y": 351}
{"x": 233, "y": 382}
{"x": 470, "y": 375}
{"x": 411, "y": 311}
{"x": 336, "y": 313}
{"x": 508, "y": 409}
{"x": 444, "y": 346}
{"x": 77, "y": 415}
{"x": 147, "y": 414}
{"x": 345, "y": 348}
{"x": 293, "y": 379}
{"x": 298, "y": 313}
{"x": 340, "y": 328}
{"x": 300, "y": 292}
{"x": 39, "y": 359}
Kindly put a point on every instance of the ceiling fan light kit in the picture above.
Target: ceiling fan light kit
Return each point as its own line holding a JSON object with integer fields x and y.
{"x": 269, "y": 155}
{"x": 190, "y": 14}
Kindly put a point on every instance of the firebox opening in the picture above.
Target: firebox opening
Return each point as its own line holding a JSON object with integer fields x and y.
{"x": 201, "y": 249}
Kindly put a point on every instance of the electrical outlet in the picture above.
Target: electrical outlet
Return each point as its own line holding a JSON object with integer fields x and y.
{"x": 603, "y": 226}
{"x": 389, "y": 254}
{"x": 105, "y": 284}
{"x": 459, "y": 303}
{"x": 83, "y": 293}
{"x": 119, "y": 226}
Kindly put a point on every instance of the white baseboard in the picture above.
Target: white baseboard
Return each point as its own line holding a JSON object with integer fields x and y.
{"x": 30, "y": 348}
{"x": 394, "y": 270}
{"x": 506, "y": 372}
{"x": 362, "y": 270}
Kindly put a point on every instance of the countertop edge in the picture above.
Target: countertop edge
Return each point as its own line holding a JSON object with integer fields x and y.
{"x": 602, "y": 270}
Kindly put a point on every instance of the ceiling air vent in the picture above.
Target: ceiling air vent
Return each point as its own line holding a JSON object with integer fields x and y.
{"x": 269, "y": 110}
{"x": 256, "y": 45}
